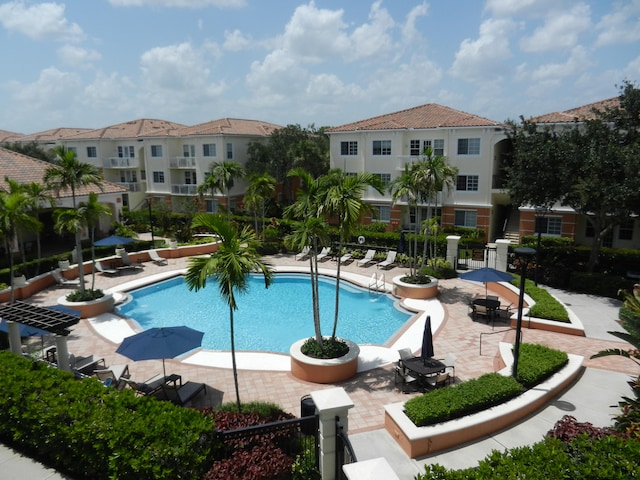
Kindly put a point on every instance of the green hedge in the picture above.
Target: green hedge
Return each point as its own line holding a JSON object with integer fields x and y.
{"x": 546, "y": 306}
{"x": 536, "y": 363}
{"x": 89, "y": 431}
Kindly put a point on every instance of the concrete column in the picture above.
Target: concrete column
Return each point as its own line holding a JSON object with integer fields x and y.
{"x": 452, "y": 250}
{"x": 502, "y": 254}
{"x": 62, "y": 353}
{"x": 330, "y": 403}
{"x": 15, "y": 342}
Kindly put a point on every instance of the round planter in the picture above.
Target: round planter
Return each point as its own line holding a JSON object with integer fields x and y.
{"x": 173, "y": 244}
{"x": 318, "y": 370}
{"x": 19, "y": 281}
{"x": 92, "y": 308}
{"x": 413, "y": 290}
{"x": 120, "y": 251}
{"x": 63, "y": 264}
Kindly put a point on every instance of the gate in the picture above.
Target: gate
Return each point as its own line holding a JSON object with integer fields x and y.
{"x": 344, "y": 451}
{"x": 474, "y": 256}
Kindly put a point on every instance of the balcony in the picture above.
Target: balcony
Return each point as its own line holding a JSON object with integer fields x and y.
{"x": 182, "y": 189}
{"x": 183, "y": 162}
{"x": 402, "y": 160}
{"x": 131, "y": 186}
{"x": 121, "y": 162}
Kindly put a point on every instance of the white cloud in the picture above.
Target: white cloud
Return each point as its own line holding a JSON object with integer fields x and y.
{"x": 77, "y": 56}
{"x": 276, "y": 78}
{"x": 561, "y": 30}
{"x": 410, "y": 34}
{"x": 621, "y": 26}
{"x": 373, "y": 38}
{"x": 54, "y": 89}
{"x": 510, "y": 8}
{"x": 43, "y": 21}
{"x": 483, "y": 59}
{"x": 577, "y": 62}
{"x": 179, "y": 3}
{"x": 107, "y": 92}
{"x": 236, "y": 41}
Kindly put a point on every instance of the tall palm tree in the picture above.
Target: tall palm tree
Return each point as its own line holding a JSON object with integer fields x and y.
{"x": 91, "y": 211}
{"x": 38, "y": 195}
{"x": 343, "y": 200}
{"x": 14, "y": 215}
{"x": 221, "y": 177}
{"x": 70, "y": 174}
{"x": 261, "y": 188}
{"x": 405, "y": 187}
{"x": 230, "y": 265}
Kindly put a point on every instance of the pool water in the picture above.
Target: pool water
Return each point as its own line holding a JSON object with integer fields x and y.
{"x": 270, "y": 319}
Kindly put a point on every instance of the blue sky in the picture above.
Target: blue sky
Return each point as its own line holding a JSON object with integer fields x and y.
{"x": 81, "y": 63}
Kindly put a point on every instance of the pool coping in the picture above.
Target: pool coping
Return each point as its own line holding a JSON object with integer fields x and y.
{"x": 114, "y": 327}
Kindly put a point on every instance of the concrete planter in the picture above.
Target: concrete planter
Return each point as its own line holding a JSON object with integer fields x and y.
{"x": 19, "y": 281}
{"x": 319, "y": 370}
{"x": 64, "y": 264}
{"x": 412, "y": 290}
{"x": 92, "y": 308}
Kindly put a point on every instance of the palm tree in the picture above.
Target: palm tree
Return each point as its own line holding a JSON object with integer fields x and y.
{"x": 405, "y": 187}
{"x": 14, "y": 215}
{"x": 221, "y": 177}
{"x": 70, "y": 173}
{"x": 231, "y": 265}
{"x": 91, "y": 211}
{"x": 37, "y": 196}
{"x": 343, "y": 200}
{"x": 261, "y": 188}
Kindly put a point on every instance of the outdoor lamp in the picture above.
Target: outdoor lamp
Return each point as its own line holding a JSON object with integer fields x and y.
{"x": 524, "y": 254}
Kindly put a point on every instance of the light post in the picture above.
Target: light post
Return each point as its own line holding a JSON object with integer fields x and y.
{"x": 153, "y": 242}
{"x": 524, "y": 254}
{"x": 540, "y": 211}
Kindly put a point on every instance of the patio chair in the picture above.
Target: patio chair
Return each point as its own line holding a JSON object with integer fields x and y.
{"x": 345, "y": 258}
{"x": 127, "y": 263}
{"x": 181, "y": 395}
{"x": 438, "y": 380}
{"x": 85, "y": 365}
{"x": 324, "y": 253}
{"x": 389, "y": 261}
{"x": 400, "y": 370}
{"x": 368, "y": 258}
{"x": 106, "y": 271}
{"x": 156, "y": 258}
{"x": 449, "y": 360}
{"x": 115, "y": 373}
{"x": 303, "y": 254}
{"x": 64, "y": 282}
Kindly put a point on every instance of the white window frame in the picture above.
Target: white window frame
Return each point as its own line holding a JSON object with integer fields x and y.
{"x": 414, "y": 148}
{"x": 380, "y": 213}
{"x": 385, "y": 178}
{"x": 383, "y": 147}
{"x": 188, "y": 150}
{"x": 211, "y": 205}
{"x": 550, "y": 226}
{"x": 92, "y": 152}
{"x": 349, "y": 148}
{"x": 470, "y": 218}
{"x": 156, "y": 151}
{"x": 126, "y": 151}
{"x": 209, "y": 150}
{"x": 158, "y": 176}
{"x": 471, "y": 183}
{"x": 190, "y": 177}
{"x": 229, "y": 151}
{"x": 469, "y": 146}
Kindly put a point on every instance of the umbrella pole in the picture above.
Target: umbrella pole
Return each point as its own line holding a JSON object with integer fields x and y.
{"x": 164, "y": 372}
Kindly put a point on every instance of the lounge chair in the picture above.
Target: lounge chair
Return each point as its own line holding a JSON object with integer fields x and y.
{"x": 368, "y": 258}
{"x": 127, "y": 263}
{"x": 181, "y": 395}
{"x": 153, "y": 385}
{"x": 85, "y": 365}
{"x": 389, "y": 261}
{"x": 115, "y": 373}
{"x": 303, "y": 254}
{"x": 156, "y": 258}
{"x": 345, "y": 258}
{"x": 64, "y": 282}
{"x": 106, "y": 271}
{"x": 323, "y": 254}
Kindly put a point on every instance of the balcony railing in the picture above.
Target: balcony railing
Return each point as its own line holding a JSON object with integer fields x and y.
{"x": 121, "y": 162}
{"x": 183, "y": 162}
{"x": 131, "y": 186}
{"x": 182, "y": 189}
{"x": 402, "y": 160}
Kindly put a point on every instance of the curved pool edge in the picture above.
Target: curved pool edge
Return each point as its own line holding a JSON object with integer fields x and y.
{"x": 115, "y": 328}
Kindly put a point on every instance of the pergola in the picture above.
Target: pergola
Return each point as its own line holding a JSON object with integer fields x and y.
{"x": 45, "y": 318}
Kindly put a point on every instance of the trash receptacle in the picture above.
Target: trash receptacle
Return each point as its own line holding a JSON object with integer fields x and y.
{"x": 307, "y": 409}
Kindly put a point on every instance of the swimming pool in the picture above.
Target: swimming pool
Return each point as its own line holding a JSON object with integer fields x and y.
{"x": 268, "y": 320}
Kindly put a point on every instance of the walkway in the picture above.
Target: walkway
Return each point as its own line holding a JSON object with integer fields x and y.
{"x": 373, "y": 389}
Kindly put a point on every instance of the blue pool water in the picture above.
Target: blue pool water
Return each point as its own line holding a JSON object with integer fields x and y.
{"x": 267, "y": 319}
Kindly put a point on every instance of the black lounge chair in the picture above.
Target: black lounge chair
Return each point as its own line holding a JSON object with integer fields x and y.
{"x": 183, "y": 394}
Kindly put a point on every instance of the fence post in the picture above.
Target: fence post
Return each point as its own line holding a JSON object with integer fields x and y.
{"x": 330, "y": 403}
{"x": 502, "y": 254}
{"x": 452, "y": 250}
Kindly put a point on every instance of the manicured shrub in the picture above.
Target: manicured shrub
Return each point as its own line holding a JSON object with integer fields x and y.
{"x": 536, "y": 363}
{"x": 546, "y": 306}
{"x": 568, "y": 428}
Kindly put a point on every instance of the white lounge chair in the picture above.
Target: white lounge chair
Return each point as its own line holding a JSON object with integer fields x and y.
{"x": 389, "y": 261}
{"x": 367, "y": 258}
{"x": 156, "y": 258}
{"x": 323, "y": 254}
{"x": 106, "y": 271}
{"x": 64, "y": 282}
{"x": 126, "y": 261}
{"x": 345, "y": 258}
{"x": 303, "y": 254}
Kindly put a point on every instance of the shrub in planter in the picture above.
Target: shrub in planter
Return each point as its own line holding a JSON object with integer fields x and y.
{"x": 331, "y": 348}
{"x": 86, "y": 296}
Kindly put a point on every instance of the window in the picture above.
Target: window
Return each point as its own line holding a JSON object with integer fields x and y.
{"x": 128, "y": 176}
{"x": 188, "y": 150}
{"x": 126, "y": 152}
{"x": 349, "y": 148}
{"x": 465, "y": 218}
{"x": 156, "y": 150}
{"x": 190, "y": 178}
{"x": 467, "y": 183}
{"x": 158, "y": 177}
{"x": 209, "y": 150}
{"x": 229, "y": 151}
{"x": 211, "y": 206}
{"x": 382, "y": 147}
{"x": 625, "y": 232}
{"x": 549, "y": 225}
{"x": 385, "y": 178}
{"x": 92, "y": 152}
{"x": 438, "y": 146}
{"x": 143, "y": 175}
{"x": 468, "y": 146}
{"x": 380, "y": 213}
{"x": 414, "y": 148}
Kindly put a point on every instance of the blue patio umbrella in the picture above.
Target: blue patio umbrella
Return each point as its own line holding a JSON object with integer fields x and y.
{"x": 427, "y": 340}
{"x": 160, "y": 343}
{"x": 112, "y": 240}
{"x": 486, "y": 275}
{"x": 25, "y": 330}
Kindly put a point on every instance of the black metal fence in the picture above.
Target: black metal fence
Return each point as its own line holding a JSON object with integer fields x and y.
{"x": 344, "y": 451}
{"x": 475, "y": 256}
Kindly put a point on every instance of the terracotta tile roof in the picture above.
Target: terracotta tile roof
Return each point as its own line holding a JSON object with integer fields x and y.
{"x": 226, "y": 126}
{"x": 25, "y": 169}
{"x": 133, "y": 129}
{"x": 9, "y": 137}
{"x": 50, "y": 136}
{"x": 426, "y": 116}
{"x": 586, "y": 112}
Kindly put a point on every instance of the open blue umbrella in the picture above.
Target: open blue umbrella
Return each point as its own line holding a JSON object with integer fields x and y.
{"x": 427, "y": 340}
{"x": 160, "y": 343}
{"x": 112, "y": 240}
{"x": 486, "y": 275}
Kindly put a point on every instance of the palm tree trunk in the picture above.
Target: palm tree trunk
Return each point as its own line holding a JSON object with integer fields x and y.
{"x": 10, "y": 253}
{"x": 335, "y": 317}
{"x": 80, "y": 262}
{"x": 313, "y": 266}
{"x": 233, "y": 358}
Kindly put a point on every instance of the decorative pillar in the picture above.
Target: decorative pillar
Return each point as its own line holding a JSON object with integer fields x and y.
{"x": 502, "y": 254}
{"x": 330, "y": 403}
{"x": 62, "y": 353}
{"x": 15, "y": 342}
{"x": 452, "y": 250}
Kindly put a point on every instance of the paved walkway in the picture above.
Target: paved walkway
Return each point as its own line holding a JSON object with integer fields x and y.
{"x": 373, "y": 389}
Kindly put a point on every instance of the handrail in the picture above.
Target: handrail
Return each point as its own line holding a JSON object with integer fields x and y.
{"x": 494, "y": 332}
{"x": 377, "y": 282}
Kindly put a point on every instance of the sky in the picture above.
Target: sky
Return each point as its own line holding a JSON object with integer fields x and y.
{"x": 94, "y": 63}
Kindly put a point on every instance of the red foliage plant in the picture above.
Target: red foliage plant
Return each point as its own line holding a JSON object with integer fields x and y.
{"x": 260, "y": 463}
{"x": 568, "y": 428}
